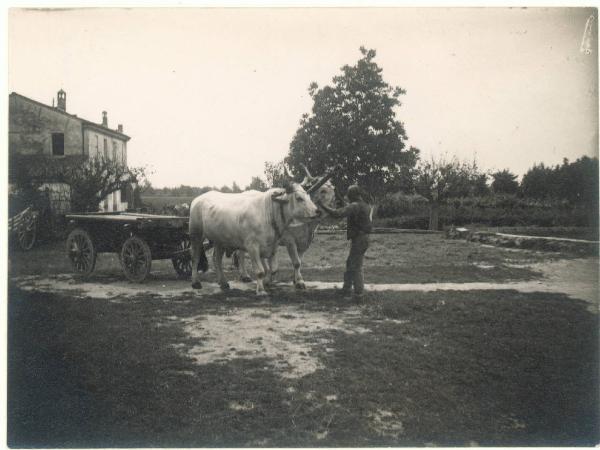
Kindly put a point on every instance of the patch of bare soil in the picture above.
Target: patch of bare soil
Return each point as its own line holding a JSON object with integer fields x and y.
{"x": 283, "y": 335}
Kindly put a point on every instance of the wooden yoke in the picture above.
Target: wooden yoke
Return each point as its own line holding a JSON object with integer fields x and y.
{"x": 323, "y": 180}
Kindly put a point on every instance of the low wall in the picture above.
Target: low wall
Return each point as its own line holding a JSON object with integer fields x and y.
{"x": 542, "y": 243}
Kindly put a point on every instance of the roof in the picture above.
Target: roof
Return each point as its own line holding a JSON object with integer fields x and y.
{"x": 85, "y": 123}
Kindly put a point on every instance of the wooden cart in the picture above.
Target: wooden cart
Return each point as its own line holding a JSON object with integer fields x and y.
{"x": 23, "y": 228}
{"x": 136, "y": 238}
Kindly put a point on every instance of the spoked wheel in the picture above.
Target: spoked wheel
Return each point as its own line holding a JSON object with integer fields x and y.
{"x": 27, "y": 233}
{"x": 136, "y": 259}
{"x": 182, "y": 261}
{"x": 81, "y": 252}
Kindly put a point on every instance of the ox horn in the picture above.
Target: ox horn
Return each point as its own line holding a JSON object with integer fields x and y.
{"x": 306, "y": 170}
{"x": 287, "y": 181}
{"x": 320, "y": 183}
{"x": 308, "y": 178}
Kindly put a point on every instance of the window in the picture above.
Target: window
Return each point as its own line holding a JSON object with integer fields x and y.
{"x": 114, "y": 151}
{"x": 105, "y": 149}
{"x": 58, "y": 144}
{"x": 97, "y": 147}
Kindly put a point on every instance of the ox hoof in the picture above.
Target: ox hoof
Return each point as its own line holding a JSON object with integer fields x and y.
{"x": 197, "y": 285}
{"x": 262, "y": 294}
{"x": 224, "y": 286}
{"x": 300, "y": 285}
{"x": 246, "y": 279}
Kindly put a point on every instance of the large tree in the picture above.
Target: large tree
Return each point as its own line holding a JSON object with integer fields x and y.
{"x": 353, "y": 123}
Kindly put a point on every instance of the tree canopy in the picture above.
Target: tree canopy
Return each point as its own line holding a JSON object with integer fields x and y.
{"x": 353, "y": 123}
{"x": 576, "y": 182}
{"x": 440, "y": 179}
{"x": 256, "y": 184}
{"x": 505, "y": 182}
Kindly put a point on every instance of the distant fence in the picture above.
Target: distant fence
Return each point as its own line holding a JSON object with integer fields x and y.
{"x": 378, "y": 230}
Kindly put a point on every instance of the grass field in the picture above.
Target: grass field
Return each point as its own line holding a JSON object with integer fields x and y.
{"x": 409, "y": 258}
{"x": 305, "y": 368}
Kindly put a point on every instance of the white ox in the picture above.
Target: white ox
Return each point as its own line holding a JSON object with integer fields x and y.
{"x": 298, "y": 237}
{"x": 251, "y": 221}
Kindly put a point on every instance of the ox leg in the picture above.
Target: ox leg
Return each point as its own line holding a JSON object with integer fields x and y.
{"x": 274, "y": 265}
{"x": 259, "y": 270}
{"x": 242, "y": 267}
{"x": 197, "y": 243}
{"x": 268, "y": 273}
{"x": 297, "y": 262}
{"x": 218, "y": 261}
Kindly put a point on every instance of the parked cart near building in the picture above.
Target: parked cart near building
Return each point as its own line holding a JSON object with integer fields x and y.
{"x": 136, "y": 238}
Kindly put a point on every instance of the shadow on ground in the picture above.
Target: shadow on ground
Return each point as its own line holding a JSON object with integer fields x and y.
{"x": 439, "y": 368}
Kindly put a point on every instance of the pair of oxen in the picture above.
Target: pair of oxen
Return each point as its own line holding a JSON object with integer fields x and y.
{"x": 256, "y": 223}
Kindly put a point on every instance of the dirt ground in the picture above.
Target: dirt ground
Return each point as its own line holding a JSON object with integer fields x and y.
{"x": 577, "y": 278}
{"x": 296, "y": 337}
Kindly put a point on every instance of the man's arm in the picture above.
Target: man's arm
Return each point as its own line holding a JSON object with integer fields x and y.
{"x": 337, "y": 213}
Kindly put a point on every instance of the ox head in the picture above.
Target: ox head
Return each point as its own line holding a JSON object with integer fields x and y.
{"x": 320, "y": 189}
{"x": 296, "y": 200}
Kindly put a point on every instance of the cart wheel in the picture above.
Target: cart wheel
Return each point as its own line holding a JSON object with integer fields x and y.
{"x": 182, "y": 262}
{"x": 136, "y": 259}
{"x": 81, "y": 252}
{"x": 27, "y": 233}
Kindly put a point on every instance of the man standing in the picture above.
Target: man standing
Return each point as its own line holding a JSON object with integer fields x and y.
{"x": 358, "y": 214}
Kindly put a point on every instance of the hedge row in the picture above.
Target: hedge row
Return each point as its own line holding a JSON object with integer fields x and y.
{"x": 413, "y": 212}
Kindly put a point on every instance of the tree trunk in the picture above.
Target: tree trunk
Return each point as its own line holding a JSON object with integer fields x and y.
{"x": 434, "y": 215}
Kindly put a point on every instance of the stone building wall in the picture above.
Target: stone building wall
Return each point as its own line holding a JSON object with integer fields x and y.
{"x": 32, "y": 124}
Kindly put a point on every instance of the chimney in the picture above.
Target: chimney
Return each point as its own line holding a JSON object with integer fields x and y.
{"x": 61, "y": 100}
{"x": 104, "y": 119}
{"x": 120, "y": 128}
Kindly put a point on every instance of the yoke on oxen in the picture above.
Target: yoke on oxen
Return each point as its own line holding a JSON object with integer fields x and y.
{"x": 298, "y": 237}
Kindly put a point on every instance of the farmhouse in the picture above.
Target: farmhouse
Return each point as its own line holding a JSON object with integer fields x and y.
{"x": 40, "y": 131}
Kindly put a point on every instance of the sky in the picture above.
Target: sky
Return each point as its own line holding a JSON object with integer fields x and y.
{"x": 209, "y": 94}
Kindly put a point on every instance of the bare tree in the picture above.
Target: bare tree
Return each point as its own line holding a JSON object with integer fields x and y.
{"x": 97, "y": 178}
{"x": 438, "y": 180}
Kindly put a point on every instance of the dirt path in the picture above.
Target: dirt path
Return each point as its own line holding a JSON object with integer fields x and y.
{"x": 577, "y": 278}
